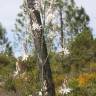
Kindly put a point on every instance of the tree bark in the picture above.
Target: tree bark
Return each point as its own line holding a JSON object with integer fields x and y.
{"x": 40, "y": 46}
{"x": 62, "y": 33}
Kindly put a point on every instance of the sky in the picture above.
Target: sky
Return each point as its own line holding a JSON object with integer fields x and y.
{"x": 8, "y": 13}
{"x": 10, "y": 8}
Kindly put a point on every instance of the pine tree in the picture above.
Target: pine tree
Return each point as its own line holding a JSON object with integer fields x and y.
{"x": 4, "y": 43}
{"x": 76, "y": 19}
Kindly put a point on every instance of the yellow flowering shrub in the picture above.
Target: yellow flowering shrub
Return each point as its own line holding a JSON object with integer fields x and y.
{"x": 84, "y": 79}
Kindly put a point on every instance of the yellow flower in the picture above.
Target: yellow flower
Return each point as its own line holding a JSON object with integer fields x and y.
{"x": 83, "y": 80}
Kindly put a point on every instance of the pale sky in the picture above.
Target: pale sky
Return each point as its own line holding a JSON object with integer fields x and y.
{"x": 8, "y": 13}
{"x": 10, "y": 8}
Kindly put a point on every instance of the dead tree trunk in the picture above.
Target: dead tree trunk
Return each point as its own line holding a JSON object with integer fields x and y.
{"x": 62, "y": 33}
{"x": 40, "y": 45}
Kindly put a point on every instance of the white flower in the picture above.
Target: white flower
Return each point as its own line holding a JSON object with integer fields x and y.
{"x": 64, "y": 90}
{"x": 17, "y": 69}
{"x": 25, "y": 56}
{"x": 43, "y": 89}
{"x": 66, "y": 51}
{"x": 16, "y": 73}
{"x": 40, "y": 93}
{"x": 36, "y": 26}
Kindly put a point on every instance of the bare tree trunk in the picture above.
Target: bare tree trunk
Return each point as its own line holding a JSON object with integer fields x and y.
{"x": 61, "y": 23}
{"x": 40, "y": 45}
{"x": 62, "y": 33}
